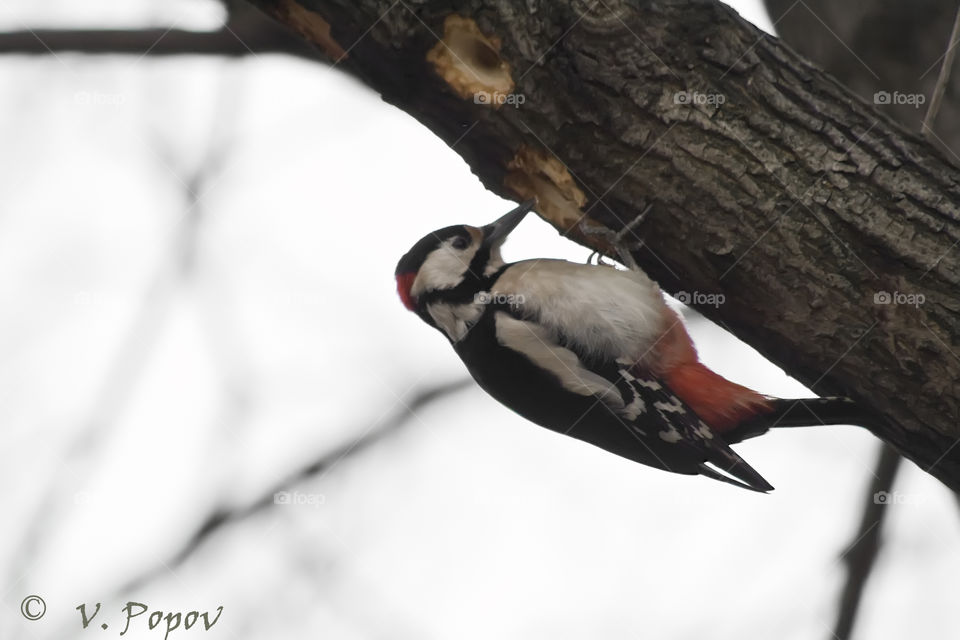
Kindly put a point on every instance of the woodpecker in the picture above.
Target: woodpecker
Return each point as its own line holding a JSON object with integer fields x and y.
{"x": 592, "y": 352}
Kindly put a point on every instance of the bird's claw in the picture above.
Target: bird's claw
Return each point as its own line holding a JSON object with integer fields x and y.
{"x": 616, "y": 239}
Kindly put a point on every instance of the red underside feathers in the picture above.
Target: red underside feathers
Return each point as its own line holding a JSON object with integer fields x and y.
{"x": 720, "y": 403}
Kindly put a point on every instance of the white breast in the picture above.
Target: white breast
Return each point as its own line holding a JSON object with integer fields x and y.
{"x": 607, "y": 312}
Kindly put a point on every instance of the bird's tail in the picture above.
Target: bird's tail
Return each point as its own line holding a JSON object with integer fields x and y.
{"x": 804, "y": 412}
{"x": 735, "y": 469}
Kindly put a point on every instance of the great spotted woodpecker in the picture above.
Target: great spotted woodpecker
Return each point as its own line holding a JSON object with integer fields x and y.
{"x": 592, "y": 352}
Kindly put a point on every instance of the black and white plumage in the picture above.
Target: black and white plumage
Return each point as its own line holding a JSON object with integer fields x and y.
{"x": 592, "y": 352}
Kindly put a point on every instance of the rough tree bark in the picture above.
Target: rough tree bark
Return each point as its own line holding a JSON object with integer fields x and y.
{"x": 852, "y": 41}
{"x": 770, "y": 182}
{"x": 883, "y": 46}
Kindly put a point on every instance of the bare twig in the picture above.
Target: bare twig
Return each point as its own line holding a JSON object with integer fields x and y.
{"x": 224, "y": 515}
{"x": 124, "y": 371}
{"x": 228, "y": 41}
{"x": 948, "y": 57}
{"x": 860, "y": 556}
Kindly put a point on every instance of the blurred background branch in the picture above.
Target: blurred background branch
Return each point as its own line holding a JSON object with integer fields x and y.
{"x": 247, "y": 31}
{"x": 370, "y": 436}
{"x": 861, "y": 554}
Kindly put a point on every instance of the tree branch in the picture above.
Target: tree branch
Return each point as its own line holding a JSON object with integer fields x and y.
{"x": 862, "y": 553}
{"x": 770, "y": 182}
{"x": 226, "y": 515}
{"x": 248, "y": 32}
{"x": 942, "y": 79}
{"x": 156, "y": 41}
{"x": 808, "y": 32}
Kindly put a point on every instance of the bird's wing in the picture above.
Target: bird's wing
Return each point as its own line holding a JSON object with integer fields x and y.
{"x": 541, "y": 347}
{"x": 586, "y": 328}
{"x": 646, "y": 407}
{"x": 656, "y": 412}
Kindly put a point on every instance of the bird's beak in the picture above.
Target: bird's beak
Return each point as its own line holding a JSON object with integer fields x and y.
{"x": 496, "y": 232}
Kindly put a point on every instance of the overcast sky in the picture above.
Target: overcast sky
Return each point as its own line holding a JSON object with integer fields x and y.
{"x": 191, "y": 308}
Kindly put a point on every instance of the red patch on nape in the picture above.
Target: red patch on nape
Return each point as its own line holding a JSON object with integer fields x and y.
{"x": 404, "y": 284}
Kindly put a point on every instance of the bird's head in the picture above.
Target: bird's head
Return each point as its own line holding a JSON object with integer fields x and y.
{"x": 452, "y": 264}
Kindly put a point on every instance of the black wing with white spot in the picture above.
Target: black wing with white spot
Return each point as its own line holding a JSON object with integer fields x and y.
{"x": 665, "y": 431}
{"x": 654, "y": 412}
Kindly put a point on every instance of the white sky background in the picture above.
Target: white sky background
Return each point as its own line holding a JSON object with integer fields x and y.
{"x": 135, "y": 395}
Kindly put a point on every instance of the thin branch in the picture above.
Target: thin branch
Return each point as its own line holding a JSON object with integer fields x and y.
{"x": 862, "y": 552}
{"x": 122, "y": 375}
{"x": 124, "y": 372}
{"x": 927, "y": 127}
{"x": 233, "y": 42}
{"x": 225, "y": 515}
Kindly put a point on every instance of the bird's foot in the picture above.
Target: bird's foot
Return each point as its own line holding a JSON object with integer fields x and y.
{"x": 618, "y": 239}
{"x": 596, "y": 257}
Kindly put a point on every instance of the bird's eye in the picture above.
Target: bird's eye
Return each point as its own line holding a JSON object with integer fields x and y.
{"x": 460, "y": 243}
